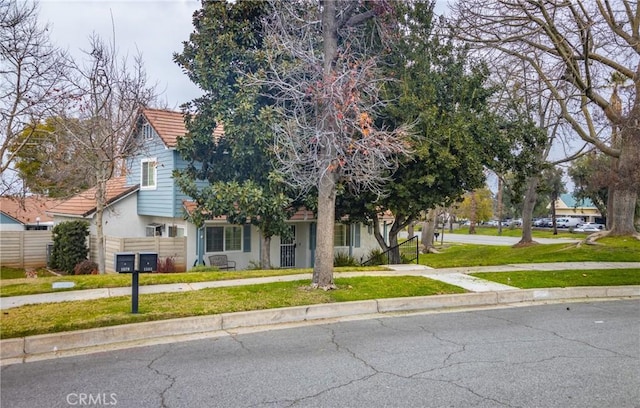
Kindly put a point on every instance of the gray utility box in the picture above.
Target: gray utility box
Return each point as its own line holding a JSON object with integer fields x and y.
{"x": 124, "y": 262}
{"x": 148, "y": 261}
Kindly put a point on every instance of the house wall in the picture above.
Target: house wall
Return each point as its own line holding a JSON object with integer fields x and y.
{"x": 9, "y": 224}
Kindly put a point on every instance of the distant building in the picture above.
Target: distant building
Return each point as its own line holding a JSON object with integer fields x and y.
{"x": 568, "y": 206}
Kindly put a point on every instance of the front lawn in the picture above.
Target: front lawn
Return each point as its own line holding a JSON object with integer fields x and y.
{"x": 18, "y": 287}
{"x": 565, "y": 278}
{"x": 67, "y": 316}
{"x": 613, "y": 249}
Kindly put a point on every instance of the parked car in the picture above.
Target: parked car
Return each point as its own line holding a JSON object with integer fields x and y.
{"x": 542, "y": 222}
{"x": 568, "y": 222}
{"x": 589, "y": 227}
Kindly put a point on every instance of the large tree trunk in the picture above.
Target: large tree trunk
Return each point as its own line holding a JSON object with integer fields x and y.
{"x": 500, "y": 188}
{"x": 527, "y": 211}
{"x": 428, "y": 229}
{"x": 473, "y": 215}
{"x": 323, "y": 266}
{"x": 398, "y": 224}
{"x": 265, "y": 252}
{"x": 625, "y": 190}
{"x": 101, "y": 194}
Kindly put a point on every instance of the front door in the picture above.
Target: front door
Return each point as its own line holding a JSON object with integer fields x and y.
{"x": 288, "y": 250}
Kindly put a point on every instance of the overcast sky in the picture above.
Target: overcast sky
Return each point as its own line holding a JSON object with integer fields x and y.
{"x": 154, "y": 27}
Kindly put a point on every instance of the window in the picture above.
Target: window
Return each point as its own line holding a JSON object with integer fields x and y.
{"x": 221, "y": 239}
{"x": 341, "y": 235}
{"x": 148, "y": 173}
{"x": 176, "y": 231}
{"x": 147, "y": 131}
{"x": 154, "y": 230}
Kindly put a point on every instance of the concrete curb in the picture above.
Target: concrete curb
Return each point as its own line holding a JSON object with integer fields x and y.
{"x": 48, "y": 346}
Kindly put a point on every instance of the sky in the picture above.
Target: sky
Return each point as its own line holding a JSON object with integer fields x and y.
{"x": 155, "y": 28}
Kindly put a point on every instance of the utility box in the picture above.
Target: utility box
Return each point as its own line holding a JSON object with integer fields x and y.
{"x": 124, "y": 262}
{"x": 148, "y": 261}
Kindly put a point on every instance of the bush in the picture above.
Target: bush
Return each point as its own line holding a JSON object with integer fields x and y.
{"x": 86, "y": 267}
{"x": 167, "y": 265}
{"x": 375, "y": 257}
{"x": 344, "y": 259}
{"x": 69, "y": 245}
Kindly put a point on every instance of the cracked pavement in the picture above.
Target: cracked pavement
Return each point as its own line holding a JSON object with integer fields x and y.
{"x": 583, "y": 354}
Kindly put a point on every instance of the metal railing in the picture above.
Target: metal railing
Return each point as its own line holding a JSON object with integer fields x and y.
{"x": 404, "y": 253}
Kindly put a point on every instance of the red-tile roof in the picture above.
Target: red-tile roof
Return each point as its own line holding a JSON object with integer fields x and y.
{"x": 84, "y": 204}
{"x": 27, "y": 210}
{"x": 169, "y": 125}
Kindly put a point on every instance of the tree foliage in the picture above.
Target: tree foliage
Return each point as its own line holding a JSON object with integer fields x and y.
{"x": 586, "y": 54}
{"x": 31, "y": 69}
{"x": 444, "y": 93}
{"x": 324, "y": 75}
{"x": 225, "y": 48}
{"x": 483, "y": 206}
{"x": 49, "y": 164}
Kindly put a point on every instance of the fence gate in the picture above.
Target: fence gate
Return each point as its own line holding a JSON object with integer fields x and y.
{"x": 288, "y": 250}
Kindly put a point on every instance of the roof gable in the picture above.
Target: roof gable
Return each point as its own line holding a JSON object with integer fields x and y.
{"x": 570, "y": 201}
{"x": 169, "y": 125}
{"x": 84, "y": 203}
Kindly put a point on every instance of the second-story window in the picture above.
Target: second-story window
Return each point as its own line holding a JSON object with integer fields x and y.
{"x": 147, "y": 131}
{"x": 149, "y": 174}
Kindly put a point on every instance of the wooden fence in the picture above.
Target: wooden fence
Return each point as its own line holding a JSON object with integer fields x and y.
{"x": 24, "y": 249}
{"x": 174, "y": 248}
{"x": 28, "y": 249}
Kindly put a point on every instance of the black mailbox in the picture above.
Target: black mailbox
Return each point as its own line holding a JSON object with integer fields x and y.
{"x": 124, "y": 262}
{"x": 148, "y": 262}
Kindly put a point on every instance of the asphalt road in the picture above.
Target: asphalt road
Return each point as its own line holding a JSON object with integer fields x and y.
{"x": 562, "y": 355}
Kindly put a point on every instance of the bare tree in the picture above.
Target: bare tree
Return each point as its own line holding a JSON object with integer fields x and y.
{"x": 106, "y": 97}
{"x": 326, "y": 83}
{"x": 31, "y": 80}
{"x": 577, "y": 48}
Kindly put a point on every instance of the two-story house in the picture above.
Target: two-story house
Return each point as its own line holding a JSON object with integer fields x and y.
{"x": 146, "y": 202}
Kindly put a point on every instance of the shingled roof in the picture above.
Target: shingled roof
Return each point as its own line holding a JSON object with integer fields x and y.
{"x": 169, "y": 125}
{"x": 28, "y": 210}
{"x": 84, "y": 203}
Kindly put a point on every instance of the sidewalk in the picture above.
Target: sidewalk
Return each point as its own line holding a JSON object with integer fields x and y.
{"x": 454, "y": 276}
{"x": 482, "y": 294}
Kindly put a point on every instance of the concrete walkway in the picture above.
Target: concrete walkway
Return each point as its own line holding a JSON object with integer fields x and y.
{"x": 454, "y": 276}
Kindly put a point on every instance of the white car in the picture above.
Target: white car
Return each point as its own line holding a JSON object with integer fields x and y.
{"x": 589, "y": 227}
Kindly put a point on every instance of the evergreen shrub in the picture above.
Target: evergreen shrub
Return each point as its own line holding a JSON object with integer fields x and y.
{"x": 69, "y": 245}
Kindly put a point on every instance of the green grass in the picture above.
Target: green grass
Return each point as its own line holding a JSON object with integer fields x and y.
{"x": 19, "y": 273}
{"x": 608, "y": 250}
{"x": 565, "y": 278}
{"x": 517, "y": 232}
{"x": 58, "y": 317}
{"x": 18, "y": 287}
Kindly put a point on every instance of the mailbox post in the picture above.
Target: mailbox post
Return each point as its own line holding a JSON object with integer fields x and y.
{"x": 125, "y": 263}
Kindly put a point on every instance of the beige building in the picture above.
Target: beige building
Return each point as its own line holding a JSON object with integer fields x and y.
{"x": 568, "y": 206}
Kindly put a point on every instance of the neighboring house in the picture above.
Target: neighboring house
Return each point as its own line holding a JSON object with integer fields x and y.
{"x": 26, "y": 213}
{"x": 147, "y": 202}
{"x": 568, "y": 206}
